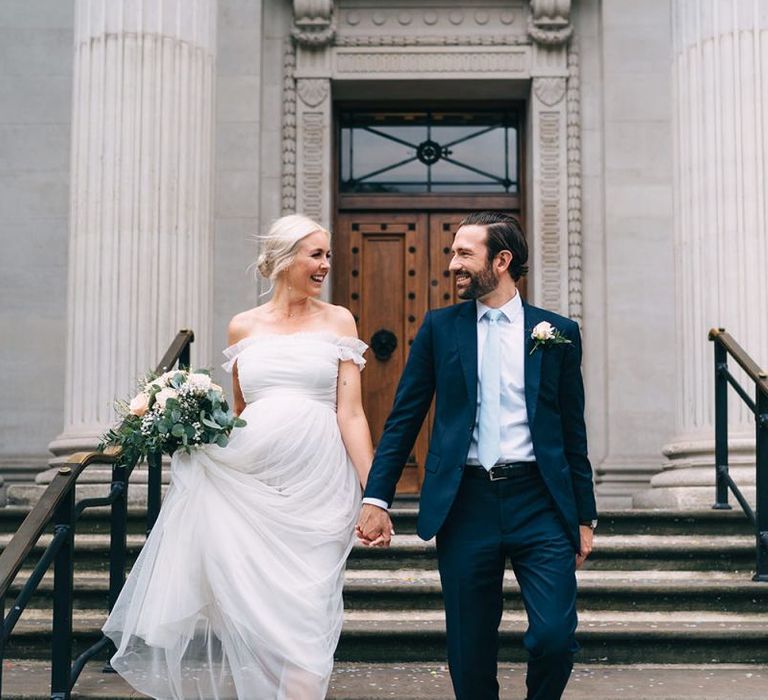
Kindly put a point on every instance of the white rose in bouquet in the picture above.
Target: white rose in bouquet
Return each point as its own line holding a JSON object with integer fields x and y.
{"x": 162, "y": 381}
{"x": 164, "y": 394}
{"x": 199, "y": 382}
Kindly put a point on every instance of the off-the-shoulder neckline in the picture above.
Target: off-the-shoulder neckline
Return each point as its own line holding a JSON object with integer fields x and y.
{"x": 326, "y": 334}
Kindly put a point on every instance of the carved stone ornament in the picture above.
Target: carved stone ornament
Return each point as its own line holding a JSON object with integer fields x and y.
{"x": 313, "y": 91}
{"x": 550, "y": 22}
{"x": 314, "y": 22}
{"x": 573, "y": 111}
{"x": 289, "y": 130}
{"x": 549, "y": 91}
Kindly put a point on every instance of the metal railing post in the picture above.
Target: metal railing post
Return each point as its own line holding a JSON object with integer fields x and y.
{"x": 721, "y": 428}
{"x": 2, "y": 642}
{"x": 761, "y": 459}
{"x": 154, "y": 487}
{"x": 118, "y": 544}
{"x": 63, "y": 589}
{"x": 118, "y": 536}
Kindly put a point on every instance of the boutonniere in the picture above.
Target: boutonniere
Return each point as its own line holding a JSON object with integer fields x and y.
{"x": 545, "y": 334}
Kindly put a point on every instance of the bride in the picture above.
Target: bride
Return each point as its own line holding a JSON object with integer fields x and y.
{"x": 237, "y": 592}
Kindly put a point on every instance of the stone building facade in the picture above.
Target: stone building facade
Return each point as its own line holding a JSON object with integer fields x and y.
{"x": 143, "y": 144}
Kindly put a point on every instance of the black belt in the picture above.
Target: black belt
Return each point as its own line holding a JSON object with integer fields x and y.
{"x": 508, "y": 470}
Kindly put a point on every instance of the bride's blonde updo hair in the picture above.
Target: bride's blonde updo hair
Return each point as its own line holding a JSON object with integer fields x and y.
{"x": 279, "y": 245}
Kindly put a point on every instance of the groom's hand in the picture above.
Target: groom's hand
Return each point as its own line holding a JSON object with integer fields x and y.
{"x": 374, "y": 527}
{"x": 586, "y": 534}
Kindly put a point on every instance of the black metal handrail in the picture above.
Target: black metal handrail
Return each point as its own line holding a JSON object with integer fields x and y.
{"x": 57, "y": 506}
{"x": 725, "y": 345}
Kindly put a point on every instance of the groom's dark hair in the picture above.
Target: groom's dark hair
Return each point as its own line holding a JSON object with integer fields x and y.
{"x": 504, "y": 233}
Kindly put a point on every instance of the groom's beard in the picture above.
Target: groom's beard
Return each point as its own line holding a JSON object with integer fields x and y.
{"x": 480, "y": 284}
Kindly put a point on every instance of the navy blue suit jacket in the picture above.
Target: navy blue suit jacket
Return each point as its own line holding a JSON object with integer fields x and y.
{"x": 443, "y": 362}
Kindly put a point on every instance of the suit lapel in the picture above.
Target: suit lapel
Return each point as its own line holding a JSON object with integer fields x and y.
{"x": 531, "y": 317}
{"x": 466, "y": 338}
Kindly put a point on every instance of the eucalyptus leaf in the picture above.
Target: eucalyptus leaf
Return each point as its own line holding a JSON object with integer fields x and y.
{"x": 210, "y": 423}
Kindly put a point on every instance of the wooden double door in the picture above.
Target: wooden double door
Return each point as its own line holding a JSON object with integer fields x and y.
{"x": 390, "y": 268}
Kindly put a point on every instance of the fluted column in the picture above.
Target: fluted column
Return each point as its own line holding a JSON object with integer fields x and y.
{"x": 140, "y": 225}
{"x": 721, "y": 241}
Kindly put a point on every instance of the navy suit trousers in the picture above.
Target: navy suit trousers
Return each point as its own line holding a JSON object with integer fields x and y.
{"x": 488, "y": 523}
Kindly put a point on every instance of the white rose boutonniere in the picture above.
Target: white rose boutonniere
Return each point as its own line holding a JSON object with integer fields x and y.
{"x": 545, "y": 334}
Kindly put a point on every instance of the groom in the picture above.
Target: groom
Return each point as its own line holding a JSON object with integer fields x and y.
{"x": 507, "y": 474}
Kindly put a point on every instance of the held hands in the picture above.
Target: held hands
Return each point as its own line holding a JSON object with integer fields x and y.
{"x": 374, "y": 527}
{"x": 586, "y": 534}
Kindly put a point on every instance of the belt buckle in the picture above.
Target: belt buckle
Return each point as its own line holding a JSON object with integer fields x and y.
{"x": 499, "y": 476}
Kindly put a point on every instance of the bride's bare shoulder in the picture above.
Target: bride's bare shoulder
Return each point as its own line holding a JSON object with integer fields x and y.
{"x": 341, "y": 320}
{"x": 242, "y": 325}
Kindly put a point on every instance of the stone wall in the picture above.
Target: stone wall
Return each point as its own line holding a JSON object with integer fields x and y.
{"x": 628, "y": 223}
{"x": 35, "y": 110}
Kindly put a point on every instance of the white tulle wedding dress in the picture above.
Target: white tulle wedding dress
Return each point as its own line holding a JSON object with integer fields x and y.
{"x": 237, "y": 592}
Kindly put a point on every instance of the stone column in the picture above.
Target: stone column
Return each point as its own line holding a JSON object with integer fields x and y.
{"x": 721, "y": 156}
{"x": 140, "y": 226}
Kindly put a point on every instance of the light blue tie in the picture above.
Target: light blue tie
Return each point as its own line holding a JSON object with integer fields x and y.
{"x": 489, "y": 425}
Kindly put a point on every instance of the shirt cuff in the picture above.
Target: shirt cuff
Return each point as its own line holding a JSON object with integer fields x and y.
{"x": 377, "y": 502}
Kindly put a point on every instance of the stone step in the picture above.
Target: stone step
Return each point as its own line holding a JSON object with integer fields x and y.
{"x": 633, "y": 522}
{"x": 405, "y": 512}
{"x": 633, "y": 552}
{"x": 419, "y": 589}
{"x": 605, "y": 636}
{"x": 409, "y": 636}
{"x": 29, "y": 680}
{"x": 92, "y": 521}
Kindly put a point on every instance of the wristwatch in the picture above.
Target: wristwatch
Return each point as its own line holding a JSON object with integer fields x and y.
{"x": 592, "y": 524}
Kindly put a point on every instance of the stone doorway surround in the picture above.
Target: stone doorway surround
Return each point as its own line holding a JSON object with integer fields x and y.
{"x": 369, "y": 41}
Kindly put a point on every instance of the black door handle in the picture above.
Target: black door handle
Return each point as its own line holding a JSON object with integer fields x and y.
{"x": 383, "y": 344}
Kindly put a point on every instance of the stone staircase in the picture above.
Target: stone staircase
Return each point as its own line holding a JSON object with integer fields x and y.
{"x": 660, "y": 588}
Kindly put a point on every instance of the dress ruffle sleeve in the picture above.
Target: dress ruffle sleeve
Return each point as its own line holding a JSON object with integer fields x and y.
{"x": 232, "y": 352}
{"x": 352, "y": 349}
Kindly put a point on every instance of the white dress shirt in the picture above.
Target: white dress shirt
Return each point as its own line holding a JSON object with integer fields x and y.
{"x": 516, "y": 442}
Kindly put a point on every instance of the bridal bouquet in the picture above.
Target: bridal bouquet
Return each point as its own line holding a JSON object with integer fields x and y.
{"x": 177, "y": 410}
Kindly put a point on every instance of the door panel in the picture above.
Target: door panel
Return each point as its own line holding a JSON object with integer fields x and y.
{"x": 381, "y": 274}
